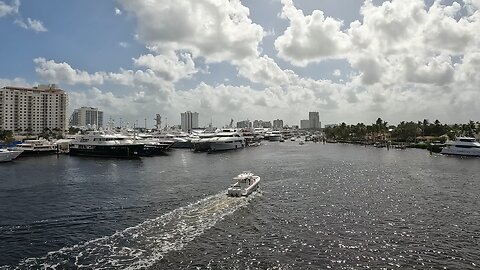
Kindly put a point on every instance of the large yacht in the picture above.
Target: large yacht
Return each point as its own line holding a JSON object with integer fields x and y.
{"x": 36, "y": 147}
{"x": 101, "y": 144}
{"x": 227, "y": 140}
{"x": 9, "y": 154}
{"x": 462, "y": 146}
{"x": 202, "y": 142}
{"x": 180, "y": 140}
{"x": 275, "y": 136}
{"x": 152, "y": 145}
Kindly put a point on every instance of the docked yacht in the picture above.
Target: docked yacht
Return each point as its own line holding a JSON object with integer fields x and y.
{"x": 101, "y": 144}
{"x": 202, "y": 142}
{"x": 275, "y": 136}
{"x": 9, "y": 154}
{"x": 180, "y": 140}
{"x": 226, "y": 140}
{"x": 246, "y": 183}
{"x": 462, "y": 146}
{"x": 36, "y": 147}
{"x": 152, "y": 145}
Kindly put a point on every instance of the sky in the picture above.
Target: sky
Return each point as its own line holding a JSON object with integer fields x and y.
{"x": 352, "y": 61}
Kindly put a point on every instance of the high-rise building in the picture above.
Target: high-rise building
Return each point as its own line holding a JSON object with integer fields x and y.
{"x": 314, "y": 119}
{"x": 262, "y": 124}
{"x": 278, "y": 124}
{"x": 87, "y": 117}
{"x": 304, "y": 124}
{"x": 33, "y": 110}
{"x": 244, "y": 124}
{"x": 189, "y": 121}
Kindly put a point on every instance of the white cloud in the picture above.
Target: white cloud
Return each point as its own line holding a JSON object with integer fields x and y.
{"x": 310, "y": 38}
{"x": 64, "y": 73}
{"x": 31, "y": 24}
{"x": 215, "y": 29}
{"x": 170, "y": 67}
{"x": 14, "y": 82}
{"x": 13, "y": 9}
{"x": 262, "y": 70}
{"x": 123, "y": 44}
{"x": 118, "y": 11}
{"x": 6, "y": 9}
{"x": 403, "y": 55}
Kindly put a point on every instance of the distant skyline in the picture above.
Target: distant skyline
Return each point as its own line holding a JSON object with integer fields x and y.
{"x": 351, "y": 61}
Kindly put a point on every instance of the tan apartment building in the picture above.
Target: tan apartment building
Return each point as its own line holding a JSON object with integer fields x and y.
{"x": 33, "y": 110}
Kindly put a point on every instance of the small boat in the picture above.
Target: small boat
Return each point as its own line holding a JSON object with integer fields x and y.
{"x": 246, "y": 183}
{"x": 9, "y": 154}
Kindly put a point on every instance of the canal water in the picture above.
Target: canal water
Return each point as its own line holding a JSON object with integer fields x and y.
{"x": 319, "y": 206}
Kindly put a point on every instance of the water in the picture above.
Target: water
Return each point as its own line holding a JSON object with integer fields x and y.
{"x": 319, "y": 207}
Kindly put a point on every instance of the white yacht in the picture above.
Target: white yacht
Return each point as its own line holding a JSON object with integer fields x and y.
{"x": 153, "y": 145}
{"x": 202, "y": 141}
{"x": 9, "y": 154}
{"x": 227, "y": 140}
{"x": 275, "y": 136}
{"x": 462, "y": 146}
{"x": 36, "y": 147}
{"x": 246, "y": 183}
{"x": 101, "y": 144}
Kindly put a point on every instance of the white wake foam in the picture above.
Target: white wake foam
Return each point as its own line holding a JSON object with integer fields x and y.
{"x": 142, "y": 245}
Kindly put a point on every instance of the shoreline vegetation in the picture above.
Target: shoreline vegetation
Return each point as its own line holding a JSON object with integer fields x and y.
{"x": 421, "y": 134}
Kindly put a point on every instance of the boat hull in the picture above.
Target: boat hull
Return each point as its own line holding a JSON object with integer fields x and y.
{"x": 8, "y": 155}
{"x": 225, "y": 146}
{"x": 117, "y": 151}
{"x": 461, "y": 152}
{"x": 28, "y": 153}
{"x": 275, "y": 138}
{"x": 179, "y": 144}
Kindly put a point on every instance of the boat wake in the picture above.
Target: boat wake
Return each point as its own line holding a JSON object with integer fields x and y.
{"x": 142, "y": 245}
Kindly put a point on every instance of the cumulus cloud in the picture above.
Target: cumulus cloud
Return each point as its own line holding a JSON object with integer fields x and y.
{"x": 13, "y": 9}
{"x": 118, "y": 11}
{"x": 64, "y": 73}
{"x": 171, "y": 67}
{"x": 402, "y": 54}
{"x": 14, "y": 82}
{"x": 310, "y": 38}
{"x": 31, "y": 24}
{"x": 263, "y": 70}
{"x": 215, "y": 29}
{"x": 6, "y": 9}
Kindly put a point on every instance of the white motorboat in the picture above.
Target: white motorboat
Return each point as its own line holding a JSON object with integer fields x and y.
{"x": 462, "y": 146}
{"x": 246, "y": 183}
{"x": 9, "y": 154}
{"x": 36, "y": 147}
